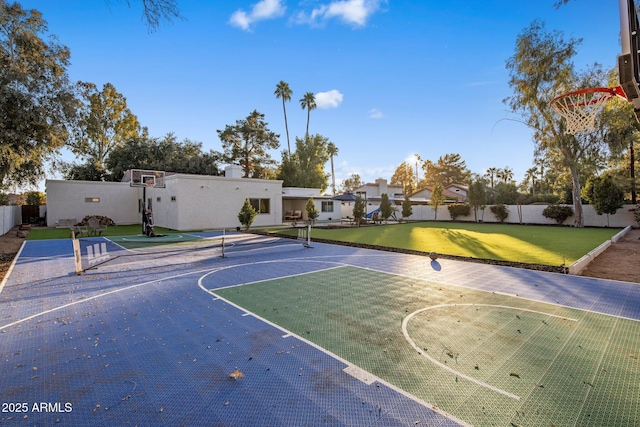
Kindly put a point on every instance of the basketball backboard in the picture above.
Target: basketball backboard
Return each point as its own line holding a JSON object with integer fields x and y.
{"x": 629, "y": 59}
{"x": 144, "y": 178}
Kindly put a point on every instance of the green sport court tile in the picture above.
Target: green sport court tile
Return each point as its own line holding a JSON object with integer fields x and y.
{"x": 486, "y": 358}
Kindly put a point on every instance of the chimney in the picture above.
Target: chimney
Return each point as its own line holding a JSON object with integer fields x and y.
{"x": 382, "y": 186}
{"x": 233, "y": 171}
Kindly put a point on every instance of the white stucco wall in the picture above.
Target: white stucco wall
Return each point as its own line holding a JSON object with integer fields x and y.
{"x": 531, "y": 214}
{"x": 194, "y": 202}
{"x": 67, "y": 200}
{"x": 10, "y": 216}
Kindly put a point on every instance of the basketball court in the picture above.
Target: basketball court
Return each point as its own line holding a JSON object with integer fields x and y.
{"x": 276, "y": 333}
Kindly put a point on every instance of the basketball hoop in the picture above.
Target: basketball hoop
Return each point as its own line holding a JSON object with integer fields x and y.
{"x": 580, "y": 107}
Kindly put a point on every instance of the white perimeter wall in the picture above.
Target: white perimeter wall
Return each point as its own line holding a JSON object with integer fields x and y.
{"x": 531, "y": 214}
{"x": 67, "y": 200}
{"x": 10, "y": 216}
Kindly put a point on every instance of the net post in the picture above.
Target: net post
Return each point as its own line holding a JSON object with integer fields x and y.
{"x": 308, "y": 242}
{"x": 77, "y": 255}
{"x": 223, "y": 235}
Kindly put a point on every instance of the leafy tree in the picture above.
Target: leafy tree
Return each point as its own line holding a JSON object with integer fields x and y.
{"x": 246, "y": 143}
{"x": 87, "y": 171}
{"x": 449, "y": 169}
{"x": 437, "y": 198}
{"x": 621, "y": 133}
{"x": 359, "y": 207}
{"x": 105, "y": 123}
{"x": 407, "y": 209}
{"x": 283, "y": 91}
{"x": 458, "y": 209}
{"x": 306, "y": 167}
{"x": 404, "y": 176}
{"x": 604, "y": 194}
{"x": 386, "y": 208}
{"x": 167, "y": 154}
{"x": 37, "y": 102}
{"x": 500, "y": 211}
{"x": 35, "y": 197}
{"x": 312, "y": 211}
{"x": 506, "y": 193}
{"x": 4, "y": 199}
{"x": 247, "y": 215}
{"x": 350, "y": 184}
{"x": 477, "y": 196}
{"x": 308, "y": 102}
{"x": 541, "y": 68}
{"x": 558, "y": 213}
{"x": 332, "y": 151}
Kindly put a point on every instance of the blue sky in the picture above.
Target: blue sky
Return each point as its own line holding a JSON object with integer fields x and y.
{"x": 392, "y": 78}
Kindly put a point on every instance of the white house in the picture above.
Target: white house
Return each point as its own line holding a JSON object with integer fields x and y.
{"x": 187, "y": 202}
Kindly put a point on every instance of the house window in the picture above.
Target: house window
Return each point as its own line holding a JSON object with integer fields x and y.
{"x": 92, "y": 200}
{"x": 362, "y": 194}
{"x": 261, "y": 205}
{"x": 327, "y": 207}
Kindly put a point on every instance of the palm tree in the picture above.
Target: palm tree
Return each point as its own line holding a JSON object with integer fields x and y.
{"x": 332, "y": 150}
{"x": 418, "y": 160}
{"x": 308, "y": 102}
{"x": 283, "y": 91}
{"x": 530, "y": 176}
{"x": 491, "y": 173}
{"x": 505, "y": 174}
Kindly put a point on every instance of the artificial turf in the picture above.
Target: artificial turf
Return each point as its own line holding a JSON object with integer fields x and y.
{"x": 532, "y": 244}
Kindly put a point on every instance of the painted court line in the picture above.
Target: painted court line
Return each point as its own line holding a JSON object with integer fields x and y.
{"x": 406, "y": 320}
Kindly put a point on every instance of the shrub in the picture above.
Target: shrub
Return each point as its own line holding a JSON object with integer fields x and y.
{"x": 636, "y": 214}
{"x": 312, "y": 211}
{"x": 247, "y": 214}
{"x": 558, "y": 213}
{"x": 501, "y": 212}
{"x": 459, "y": 209}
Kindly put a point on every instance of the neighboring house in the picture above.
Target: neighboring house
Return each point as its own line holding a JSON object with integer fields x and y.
{"x": 372, "y": 192}
{"x": 452, "y": 192}
{"x": 188, "y": 202}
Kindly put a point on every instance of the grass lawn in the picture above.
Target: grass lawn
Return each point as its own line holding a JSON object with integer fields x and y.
{"x": 116, "y": 230}
{"x": 547, "y": 245}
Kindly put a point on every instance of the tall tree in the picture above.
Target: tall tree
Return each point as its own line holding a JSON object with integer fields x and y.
{"x": 283, "y": 91}
{"x": 332, "y": 151}
{"x": 311, "y": 156}
{"x": 350, "y": 184}
{"x": 308, "y": 102}
{"x": 506, "y": 174}
{"x": 540, "y": 69}
{"x": 105, "y": 123}
{"x": 530, "y": 179}
{"x": 157, "y": 11}
{"x": 449, "y": 169}
{"x": 37, "y": 102}
{"x": 491, "y": 174}
{"x": 246, "y": 143}
{"x": 404, "y": 176}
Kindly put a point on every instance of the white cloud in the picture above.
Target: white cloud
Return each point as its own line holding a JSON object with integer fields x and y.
{"x": 374, "y": 113}
{"x": 330, "y": 99}
{"x": 354, "y": 12}
{"x": 264, "y": 9}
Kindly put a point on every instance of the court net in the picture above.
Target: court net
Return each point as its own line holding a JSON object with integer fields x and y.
{"x": 131, "y": 252}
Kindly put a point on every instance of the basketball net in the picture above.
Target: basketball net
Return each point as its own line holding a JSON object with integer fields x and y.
{"x": 581, "y": 107}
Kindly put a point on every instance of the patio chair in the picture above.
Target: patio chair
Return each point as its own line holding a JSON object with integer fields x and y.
{"x": 96, "y": 228}
{"x": 78, "y": 230}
